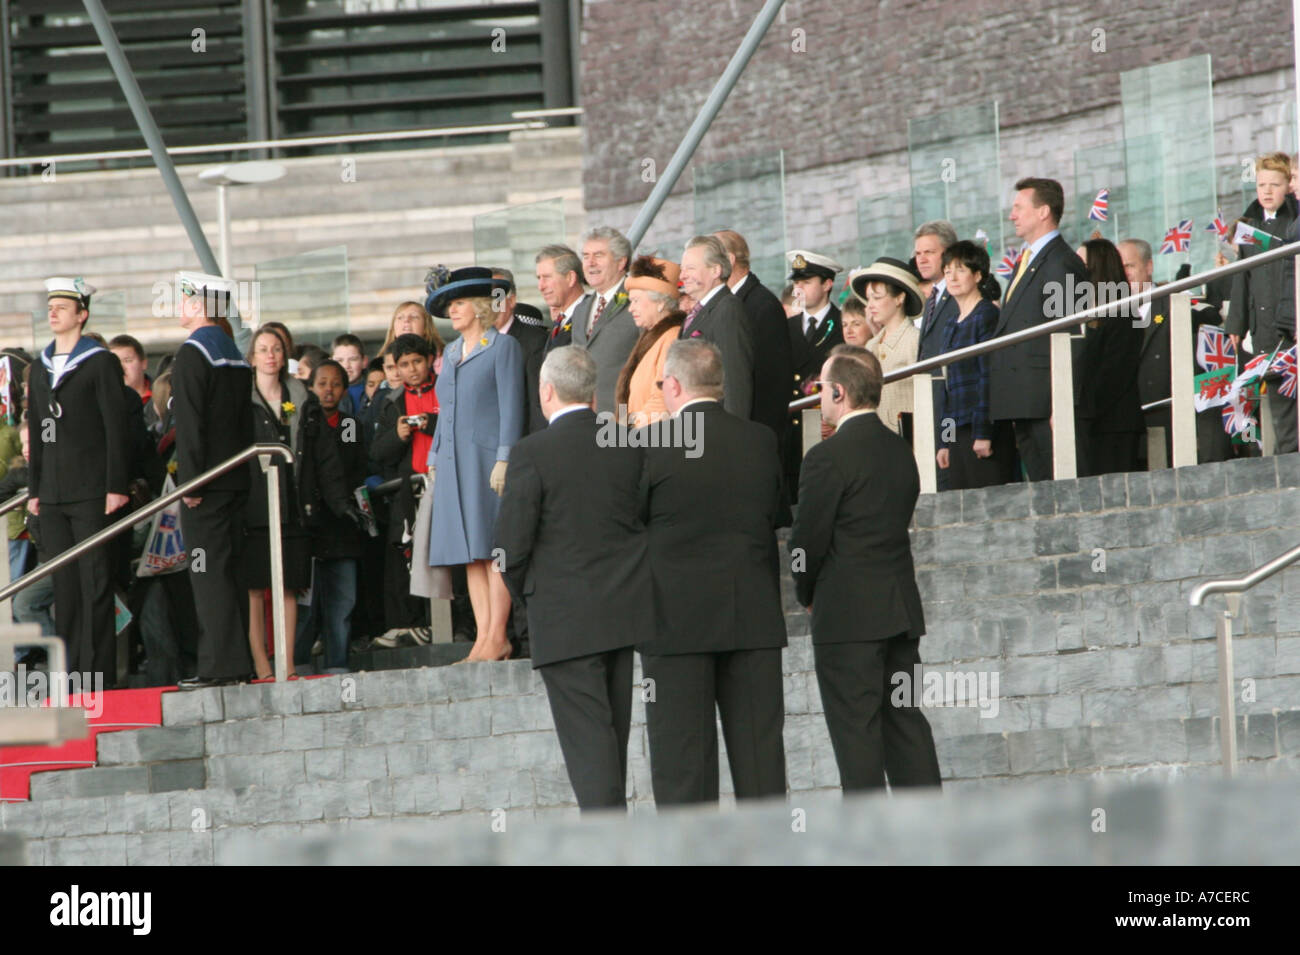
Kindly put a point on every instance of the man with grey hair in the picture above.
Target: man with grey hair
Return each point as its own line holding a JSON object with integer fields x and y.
{"x": 560, "y": 280}
{"x": 572, "y": 504}
{"x": 719, "y": 317}
{"x": 715, "y": 647}
{"x": 603, "y": 324}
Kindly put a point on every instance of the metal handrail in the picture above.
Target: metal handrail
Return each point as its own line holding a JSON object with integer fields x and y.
{"x": 1072, "y": 321}
{"x": 293, "y": 142}
{"x": 1232, "y": 588}
{"x": 18, "y": 500}
{"x": 187, "y": 489}
{"x": 1229, "y": 585}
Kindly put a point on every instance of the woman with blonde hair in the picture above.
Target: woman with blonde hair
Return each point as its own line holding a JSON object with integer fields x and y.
{"x": 482, "y": 409}
{"x": 652, "y": 300}
{"x": 412, "y": 318}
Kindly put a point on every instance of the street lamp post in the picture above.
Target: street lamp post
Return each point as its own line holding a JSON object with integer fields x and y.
{"x": 236, "y": 174}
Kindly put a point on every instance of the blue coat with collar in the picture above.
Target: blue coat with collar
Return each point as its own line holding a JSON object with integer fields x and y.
{"x": 480, "y": 416}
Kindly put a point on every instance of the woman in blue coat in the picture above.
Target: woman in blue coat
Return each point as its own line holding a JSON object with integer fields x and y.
{"x": 481, "y": 404}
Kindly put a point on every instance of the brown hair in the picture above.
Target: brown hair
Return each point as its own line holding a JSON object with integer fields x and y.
{"x": 1047, "y": 192}
{"x": 859, "y": 376}
{"x": 736, "y": 245}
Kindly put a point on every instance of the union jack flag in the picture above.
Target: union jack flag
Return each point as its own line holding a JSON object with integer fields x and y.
{"x": 1219, "y": 227}
{"x": 1285, "y": 365}
{"x": 1178, "y": 239}
{"x": 1100, "y": 206}
{"x": 1239, "y": 416}
{"x": 1214, "y": 349}
{"x": 1007, "y": 267}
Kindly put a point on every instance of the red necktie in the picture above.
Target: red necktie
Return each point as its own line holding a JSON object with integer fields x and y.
{"x": 595, "y": 314}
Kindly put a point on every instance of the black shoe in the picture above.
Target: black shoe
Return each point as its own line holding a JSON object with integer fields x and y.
{"x": 203, "y": 682}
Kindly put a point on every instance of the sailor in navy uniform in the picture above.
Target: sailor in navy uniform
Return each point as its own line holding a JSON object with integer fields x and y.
{"x": 813, "y": 333}
{"x": 211, "y": 389}
{"x": 79, "y": 472}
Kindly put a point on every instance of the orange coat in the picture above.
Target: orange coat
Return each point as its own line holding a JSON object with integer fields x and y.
{"x": 645, "y": 402}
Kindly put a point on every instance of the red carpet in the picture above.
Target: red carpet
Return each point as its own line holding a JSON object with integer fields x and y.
{"x": 121, "y": 710}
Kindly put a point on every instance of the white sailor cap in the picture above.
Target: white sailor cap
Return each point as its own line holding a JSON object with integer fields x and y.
{"x": 197, "y": 283}
{"x": 805, "y": 265}
{"x": 74, "y": 288}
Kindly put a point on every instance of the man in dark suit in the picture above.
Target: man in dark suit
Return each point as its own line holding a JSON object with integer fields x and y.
{"x": 572, "y": 503}
{"x": 560, "y": 282}
{"x": 603, "y": 324}
{"x": 719, "y": 317}
{"x": 773, "y": 358}
{"x": 1153, "y": 376}
{"x": 813, "y": 332}
{"x": 851, "y": 559}
{"x": 212, "y": 401}
{"x": 523, "y": 323}
{"x": 929, "y": 243}
{"x": 79, "y": 472}
{"x": 712, "y": 507}
{"x": 1043, "y": 287}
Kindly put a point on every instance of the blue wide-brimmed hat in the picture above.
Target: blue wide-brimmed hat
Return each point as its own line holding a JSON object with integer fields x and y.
{"x": 444, "y": 287}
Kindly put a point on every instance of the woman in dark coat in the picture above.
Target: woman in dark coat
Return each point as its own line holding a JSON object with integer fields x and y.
{"x": 285, "y": 411}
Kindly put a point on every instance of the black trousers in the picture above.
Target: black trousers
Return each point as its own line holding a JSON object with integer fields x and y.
{"x": 213, "y": 533}
{"x": 591, "y": 703}
{"x": 745, "y": 686}
{"x": 967, "y": 470}
{"x": 1113, "y": 452}
{"x": 1284, "y": 419}
{"x": 83, "y": 590}
{"x": 871, "y": 736}
{"x": 1034, "y": 442}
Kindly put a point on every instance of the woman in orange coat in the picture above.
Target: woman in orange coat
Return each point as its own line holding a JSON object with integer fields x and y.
{"x": 653, "y": 300}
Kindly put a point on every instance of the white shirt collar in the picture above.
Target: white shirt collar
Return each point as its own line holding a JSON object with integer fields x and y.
{"x": 1037, "y": 245}
{"x": 712, "y": 292}
{"x": 1270, "y": 216}
{"x": 816, "y": 319}
{"x": 609, "y": 296}
{"x": 565, "y": 410}
{"x": 505, "y": 329}
{"x": 854, "y": 414}
{"x": 695, "y": 401}
{"x": 568, "y": 312}
{"x": 736, "y": 287}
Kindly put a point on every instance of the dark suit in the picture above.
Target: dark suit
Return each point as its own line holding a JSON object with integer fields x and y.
{"x": 852, "y": 562}
{"x": 1110, "y": 410}
{"x": 723, "y": 321}
{"x": 934, "y": 326}
{"x": 719, "y": 625}
{"x": 212, "y": 401}
{"x": 575, "y": 551}
{"x": 773, "y": 369}
{"x": 532, "y": 342}
{"x": 1020, "y": 377}
{"x": 611, "y": 341}
{"x": 808, "y": 353}
{"x": 1263, "y": 303}
{"x": 80, "y": 452}
{"x": 1153, "y": 383}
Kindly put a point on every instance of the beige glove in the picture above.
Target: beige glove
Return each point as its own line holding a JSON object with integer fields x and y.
{"x": 497, "y": 480}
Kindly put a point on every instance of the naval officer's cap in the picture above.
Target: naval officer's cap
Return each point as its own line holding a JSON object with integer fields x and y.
{"x": 808, "y": 265}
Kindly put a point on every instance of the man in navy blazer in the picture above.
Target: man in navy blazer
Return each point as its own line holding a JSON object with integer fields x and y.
{"x": 575, "y": 553}
{"x": 851, "y": 559}
{"x": 719, "y": 317}
{"x": 1046, "y": 282}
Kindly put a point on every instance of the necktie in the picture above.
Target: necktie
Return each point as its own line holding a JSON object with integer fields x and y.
{"x": 690, "y": 316}
{"x": 810, "y": 332}
{"x": 1020, "y": 270}
{"x": 595, "y": 314}
{"x": 929, "y": 307}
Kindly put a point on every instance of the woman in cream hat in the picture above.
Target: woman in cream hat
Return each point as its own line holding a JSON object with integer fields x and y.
{"x": 890, "y": 291}
{"x": 652, "y": 299}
